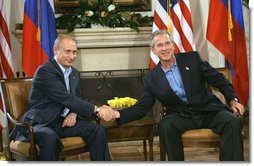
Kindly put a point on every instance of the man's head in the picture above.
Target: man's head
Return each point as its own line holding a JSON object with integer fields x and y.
{"x": 162, "y": 44}
{"x": 65, "y": 50}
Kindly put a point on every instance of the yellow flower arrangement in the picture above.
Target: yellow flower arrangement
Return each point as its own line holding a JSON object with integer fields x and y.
{"x": 121, "y": 102}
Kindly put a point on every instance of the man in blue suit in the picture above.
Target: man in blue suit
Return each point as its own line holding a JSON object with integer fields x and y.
{"x": 179, "y": 83}
{"x": 55, "y": 107}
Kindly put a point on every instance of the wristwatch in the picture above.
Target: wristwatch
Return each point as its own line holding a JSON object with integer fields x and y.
{"x": 236, "y": 99}
{"x": 96, "y": 109}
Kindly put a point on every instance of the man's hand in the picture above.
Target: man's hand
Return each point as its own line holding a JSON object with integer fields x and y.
{"x": 238, "y": 108}
{"x": 117, "y": 114}
{"x": 106, "y": 113}
{"x": 70, "y": 120}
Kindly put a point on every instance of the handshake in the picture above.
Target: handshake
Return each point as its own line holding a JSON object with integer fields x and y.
{"x": 106, "y": 113}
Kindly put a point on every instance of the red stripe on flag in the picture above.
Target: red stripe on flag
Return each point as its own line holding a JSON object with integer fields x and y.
{"x": 5, "y": 48}
{"x": 234, "y": 51}
{"x": 6, "y": 66}
{"x": 159, "y": 22}
{"x": 186, "y": 45}
{"x": 186, "y": 13}
{"x": 4, "y": 29}
{"x": 32, "y": 54}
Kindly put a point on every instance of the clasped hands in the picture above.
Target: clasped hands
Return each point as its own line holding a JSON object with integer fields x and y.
{"x": 106, "y": 113}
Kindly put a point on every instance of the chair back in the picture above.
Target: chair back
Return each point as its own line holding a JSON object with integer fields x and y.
{"x": 16, "y": 94}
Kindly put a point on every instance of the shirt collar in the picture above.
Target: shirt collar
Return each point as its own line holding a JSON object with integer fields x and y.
{"x": 68, "y": 70}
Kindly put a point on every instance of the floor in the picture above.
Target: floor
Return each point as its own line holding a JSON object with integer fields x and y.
{"x": 133, "y": 151}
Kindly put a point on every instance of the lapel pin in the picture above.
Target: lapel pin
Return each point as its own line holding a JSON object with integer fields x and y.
{"x": 187, "y": 68}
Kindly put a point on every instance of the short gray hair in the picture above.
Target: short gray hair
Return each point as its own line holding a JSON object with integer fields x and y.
{"x": 60, "y": 38}
{"x": 159, "y": 32}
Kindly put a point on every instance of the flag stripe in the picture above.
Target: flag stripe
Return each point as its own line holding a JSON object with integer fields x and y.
{"x": 235, "y": 51}
{"x": 4, "y": 28}
{"x": 48, "y": 28}
{"x": 32, "y": 53}
{"x": 183, "y": 42}
{"x": 186, "y": 12}
{"x": 158, "y": 22}
{"x": 6, "y": 64}
{"x": 39, "y": 34}
{"x": 183, "y": 27}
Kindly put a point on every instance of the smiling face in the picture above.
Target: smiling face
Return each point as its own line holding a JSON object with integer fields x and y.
{"x": 163, "y": 47}
{"x": 66, "y": 52}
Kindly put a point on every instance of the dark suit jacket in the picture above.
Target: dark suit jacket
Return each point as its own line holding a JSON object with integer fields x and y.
{"x": 195, "y": 74}
{"x": 49, "y": 96}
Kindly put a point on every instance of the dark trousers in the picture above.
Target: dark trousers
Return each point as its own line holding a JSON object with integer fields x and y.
{"x": 227, "y": 125}
{"x": 48, "y": 139}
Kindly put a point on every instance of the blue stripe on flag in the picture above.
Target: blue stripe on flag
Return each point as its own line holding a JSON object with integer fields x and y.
{"x": 48, "y": 28}
{"x": 31, "y": 10}
{"x": 237, "y": 12}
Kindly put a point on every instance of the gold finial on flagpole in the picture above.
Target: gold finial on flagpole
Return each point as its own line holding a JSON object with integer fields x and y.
{"x": 230, "y": 22}
{"x": 38, "y": 35}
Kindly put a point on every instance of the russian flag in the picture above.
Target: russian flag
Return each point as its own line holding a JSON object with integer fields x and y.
{"x": 225, "y": 30}
{"x": 39, "y": 34}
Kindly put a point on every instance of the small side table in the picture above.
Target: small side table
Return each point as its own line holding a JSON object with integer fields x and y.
{"x": 136, "y": 130}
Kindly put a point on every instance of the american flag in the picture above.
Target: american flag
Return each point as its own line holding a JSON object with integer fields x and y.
{"x": 174, "y": 16}
{"x": 6, "y": 65}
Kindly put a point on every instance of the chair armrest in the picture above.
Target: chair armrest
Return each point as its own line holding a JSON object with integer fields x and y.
{"x": 32, "y": 149}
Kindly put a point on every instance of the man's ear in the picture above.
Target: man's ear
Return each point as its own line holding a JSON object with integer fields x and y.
{"x": 55, "y": 50}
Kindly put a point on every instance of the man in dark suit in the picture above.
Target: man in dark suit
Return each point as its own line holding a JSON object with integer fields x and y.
{"x": 55, "y": 107}
{"x": 179, "y": 83}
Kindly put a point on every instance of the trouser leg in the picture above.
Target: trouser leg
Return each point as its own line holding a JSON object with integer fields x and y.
{"x": 230, "y": 129}
{"x": 49, "y": 143}
{"x": 94, "y": 135}
{"x": 171, "y": 128}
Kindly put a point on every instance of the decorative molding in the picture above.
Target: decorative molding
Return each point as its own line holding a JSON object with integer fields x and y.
{"x": 105, "y": 37}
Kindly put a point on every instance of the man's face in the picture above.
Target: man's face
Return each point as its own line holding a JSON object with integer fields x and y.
{"x": 66, "y": 53}
{"x": 163, "y": 47}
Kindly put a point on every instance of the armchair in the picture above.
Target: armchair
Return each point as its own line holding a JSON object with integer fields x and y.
{"x": 16, "y": 92}
{"x": 200, "y": 138}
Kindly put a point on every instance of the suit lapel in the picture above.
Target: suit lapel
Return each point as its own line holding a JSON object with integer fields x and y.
{"x": 73, "y": 81}
{"x": 164, "y": 85}
{"x": 185, "y": 71}
{"x": 59, "y": 70}
{"x": 161, "y": 78}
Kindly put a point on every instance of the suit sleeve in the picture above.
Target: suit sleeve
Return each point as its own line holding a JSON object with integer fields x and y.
{"x": 217, "y": 80}
{"x": 140, "y": 109}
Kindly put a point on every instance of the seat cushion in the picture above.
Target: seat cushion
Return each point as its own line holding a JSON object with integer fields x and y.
{"x": 69, "y": 143}
{"x": 200, "y": 134}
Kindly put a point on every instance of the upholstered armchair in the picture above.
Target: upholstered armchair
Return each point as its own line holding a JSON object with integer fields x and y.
{"x": 16, "y": 93}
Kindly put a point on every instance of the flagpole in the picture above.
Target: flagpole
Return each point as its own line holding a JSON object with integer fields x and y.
{"x": 168, "y": 6}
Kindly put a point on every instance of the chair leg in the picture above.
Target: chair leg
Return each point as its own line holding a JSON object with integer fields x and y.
{"x": 150, "y": 141}
{"x": 145, "y": 149}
